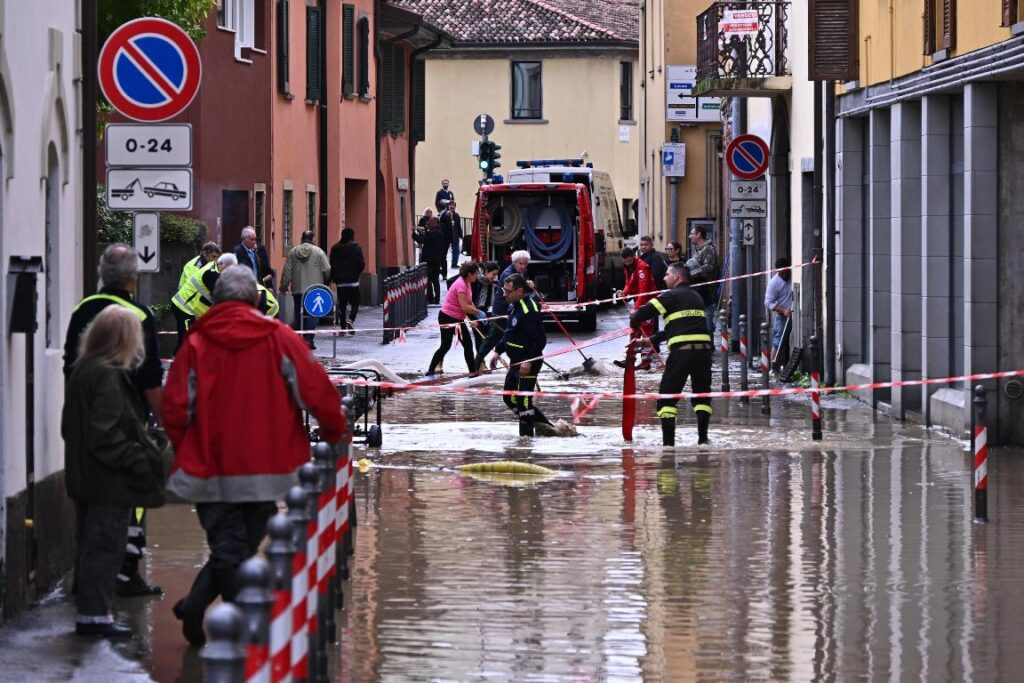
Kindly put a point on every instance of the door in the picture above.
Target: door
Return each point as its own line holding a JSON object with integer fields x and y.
{"x": 234, "y": 216}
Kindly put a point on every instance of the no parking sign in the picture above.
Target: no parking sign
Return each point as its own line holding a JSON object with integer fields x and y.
{"x": 149, "y": 69}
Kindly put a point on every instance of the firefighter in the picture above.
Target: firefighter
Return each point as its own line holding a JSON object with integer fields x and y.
{"x": 684, "y": 328}
{"x": 182, "y": 318}
{"x": 524, "y": 339}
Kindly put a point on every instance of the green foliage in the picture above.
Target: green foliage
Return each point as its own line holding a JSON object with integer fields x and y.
{"x": 190, "y": 15}
{"x": 111, "y": 226}
{"x": 160, "y": 310}
{"x": 181, "y": 229}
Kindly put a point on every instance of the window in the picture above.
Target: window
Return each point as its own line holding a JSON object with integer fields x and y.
{"x": 286, "y": 221}
{"x": 625, "y": 91}
{"x": 940, "y": 25}
{"x": 223, "y": 14}
{"x": 313, "y": 52}
{"x": 259, "y": 219}
{"x": 418, "y": 115}
{"x": 364, "y": 57}
{"x": 526, "y": 90}
{"x": 1010, "y": 12}
{"x": 241, "y": 17}
{"x": 393, "y": 82}
{"x": 348, "y": 50}
{"x": 311, "y": 210}
{"x": 284, "y": 85}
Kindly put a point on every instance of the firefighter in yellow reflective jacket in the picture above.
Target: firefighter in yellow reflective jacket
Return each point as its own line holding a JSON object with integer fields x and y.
{"x": 209, "y": 252}
{"x": 183, "y": 314}
{"x": 684, "y": 327}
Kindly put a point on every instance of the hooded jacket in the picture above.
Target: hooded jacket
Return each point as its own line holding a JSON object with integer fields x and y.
{"x": 638, "y": 281}
{"x": 347, "y": 263}
{"x": 233, "y": 407}
{"x": 306, "y": 265}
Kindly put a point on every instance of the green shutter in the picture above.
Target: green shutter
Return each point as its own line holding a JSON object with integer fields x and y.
{"x": 364, "y": 56}
{"x": 398, "y": 100}
{"x": 419, "y": 100}
{"x": 313, "y": 53}
{"x": 348, "y": 49}
{"x": 393, "y": 85}
{"x": 283, "y": 84}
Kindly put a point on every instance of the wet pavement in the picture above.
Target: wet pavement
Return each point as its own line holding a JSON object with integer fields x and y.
{"x": 764, "y": 556}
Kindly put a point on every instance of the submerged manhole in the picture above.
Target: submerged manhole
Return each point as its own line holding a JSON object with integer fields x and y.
{"x": 1013, "y": 389}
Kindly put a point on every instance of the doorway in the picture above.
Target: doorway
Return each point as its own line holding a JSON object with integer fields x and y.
{"x": 234, "y": 216}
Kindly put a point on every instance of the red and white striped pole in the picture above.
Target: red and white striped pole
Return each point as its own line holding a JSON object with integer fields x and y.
{"x": 324, "y": 456}
{"x": 341, "y": 518}
{"x": 744, "y": 379}
{"x": 815, "y": 394}
{"x": 299, "y": 516}
{"x": 723, "y": 323}
{"x": 279, "y": 554}
{"x": 980, "y": 457}
{"x": 766, "y": 401}
{"x": 254, "y": 600}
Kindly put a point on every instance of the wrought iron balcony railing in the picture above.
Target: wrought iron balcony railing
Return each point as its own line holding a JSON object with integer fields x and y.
{"x": 742, "y": 49}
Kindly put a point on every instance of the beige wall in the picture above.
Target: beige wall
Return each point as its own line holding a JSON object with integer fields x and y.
{"x": 580, "y": 107}
{"x": 668, "y": 37}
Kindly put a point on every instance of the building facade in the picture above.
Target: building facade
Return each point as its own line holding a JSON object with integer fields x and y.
{"x": 40, "y": 249}
{"x": 929, "y": 210}
{"x": 559, "y": 82}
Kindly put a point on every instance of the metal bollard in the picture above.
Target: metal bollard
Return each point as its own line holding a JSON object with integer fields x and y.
{"x": 815, "y": 394}
{"x": 341, "y": 513}
{"x": 254, "y": 600}
{"x": 723, "y": 323}
{"x": 224, "y": 654}
{"x": 298, "y": 517}
{"x": 744, "y": 378}
{"x": 280, "y": 552}
{"x": 387, "y": 310}
{"x": 980, "y": 456}
{"x": 309, "y": 478}
{"x": 766, "y": 400}
{"x": 324, "y": 456}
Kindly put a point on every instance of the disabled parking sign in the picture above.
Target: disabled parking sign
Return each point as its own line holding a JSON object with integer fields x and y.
{"x": 318, "y": 301}
{"x": 149, "y": 69}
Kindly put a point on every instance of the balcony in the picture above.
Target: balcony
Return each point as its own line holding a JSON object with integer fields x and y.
{"x": 743, "y": 50}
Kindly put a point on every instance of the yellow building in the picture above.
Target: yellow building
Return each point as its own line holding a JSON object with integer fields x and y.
{"x": 559, "y": 82}
{"x": 929, "y": 205}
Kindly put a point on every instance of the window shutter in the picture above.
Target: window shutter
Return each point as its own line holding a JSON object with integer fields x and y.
{"x": 283, "y": 83}
{"x": 948, "y": 24}
{"x": 313, "y": 53}
{"x": 929, "y": 27}
{"x": 348, "y": 49}
{"x": 1009, "y": 12}
{"x": 387, "y": 78}
{"x": 833, "y": 40}
{"x": 364, "y": 56}
{"x": 398, "y": 100}
{"x": 418, "y": 124}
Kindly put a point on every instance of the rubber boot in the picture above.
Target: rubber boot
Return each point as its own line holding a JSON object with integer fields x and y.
{"x": 525, "y": 427}
{"x": 703, "y": 420}
{"x": 668, "y": 431}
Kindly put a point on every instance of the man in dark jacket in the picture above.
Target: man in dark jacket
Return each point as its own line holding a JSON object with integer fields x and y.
{"x": 119, "y": 274}
{"x": 435, "y": 247}
{"x": 347, "y": 264}
{"x": 232, "y": 356}
{"x": 654, "y": 261}
{"x": 252, "y": 254}
{"x": 451, "y": 225}
{"x": 443, "y": 196}
{"x": 524, "y": 339}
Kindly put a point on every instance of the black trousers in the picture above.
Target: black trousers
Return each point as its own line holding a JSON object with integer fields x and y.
{"x": 435, "y": 273}
{"x": 233, "y": 533}
{"x": 525, "y": 407}
{"x": 447, "y": 335}
{"x": 302, "y": 321}
{"x": 100, "y": 531}
{"x": 684, "y": 364}
{"x": 136, "y": 546}
{"x": 348, "y": 297}
{"x": 182, "y": 320}
{"x": 487, "y": 344}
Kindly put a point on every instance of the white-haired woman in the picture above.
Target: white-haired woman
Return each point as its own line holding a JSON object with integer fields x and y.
{"x": 111, "y": 463}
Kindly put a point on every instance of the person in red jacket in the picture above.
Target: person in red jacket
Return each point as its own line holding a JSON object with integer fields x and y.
{"x": 234, "y": 400}
{"x": 639, "y": 283}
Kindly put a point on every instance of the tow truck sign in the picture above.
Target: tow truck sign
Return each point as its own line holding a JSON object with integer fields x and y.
{"x": 149, "y": 189}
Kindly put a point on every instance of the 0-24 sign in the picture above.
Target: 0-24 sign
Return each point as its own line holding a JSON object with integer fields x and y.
{"x": 161, "y": 145}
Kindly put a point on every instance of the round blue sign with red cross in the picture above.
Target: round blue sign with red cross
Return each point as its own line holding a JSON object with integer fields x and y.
{"x": 747, "y": 157}
{"x": 149, "y": 69}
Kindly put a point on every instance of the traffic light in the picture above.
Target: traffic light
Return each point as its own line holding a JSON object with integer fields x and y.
{"x": 495, "y": 156}
{"x": 486, "y": 157}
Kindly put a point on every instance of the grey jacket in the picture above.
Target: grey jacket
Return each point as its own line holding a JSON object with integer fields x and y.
{"x": 306, "y": 265}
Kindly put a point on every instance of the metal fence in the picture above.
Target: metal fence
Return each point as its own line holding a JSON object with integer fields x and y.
{"x": 755, "y": 55}
{"x": 405, "y": 301}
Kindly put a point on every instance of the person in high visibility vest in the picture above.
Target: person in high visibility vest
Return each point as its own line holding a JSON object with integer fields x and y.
{"x": 268, "y": 302}
{"x": 119, "y": 273}
{"x": 182, "y": 317}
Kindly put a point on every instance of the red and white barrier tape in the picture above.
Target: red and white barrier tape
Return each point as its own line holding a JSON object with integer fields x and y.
{"x": 751, "y": 393}
{"x": 281, "y": 636}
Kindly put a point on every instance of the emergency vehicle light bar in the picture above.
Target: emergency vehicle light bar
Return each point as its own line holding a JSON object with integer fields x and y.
{"x": 532, "y": 163}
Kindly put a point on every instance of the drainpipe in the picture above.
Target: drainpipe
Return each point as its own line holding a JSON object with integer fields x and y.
{"x": 323, "y": 129}
{"x": 736, "y": 250}
{"x": 818, "y": 216}
{"x": 90, "y": 41}
{"x": 378, "y": 58}
{"x": 830, "y": 232}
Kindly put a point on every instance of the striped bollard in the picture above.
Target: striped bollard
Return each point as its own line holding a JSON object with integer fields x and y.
{"x": 280, "y": 552}
{"x": 341, "y": 516}
{"x": 298, "y": 515}
{"x": 723, "y": 324}
{"x": 766, "y": 401}
{"x": 815, "y": 394}
{"x": 309, "y": 477}
{"x": 254, "y": 600}
{"x": 224, "y": 653}
{"x": 744, "y": 379}
{"x": 980, "y": 456}
{"x": 324, "y": 456}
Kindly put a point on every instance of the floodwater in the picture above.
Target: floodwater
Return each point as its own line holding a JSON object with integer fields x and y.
{"x": 764, "y": 556}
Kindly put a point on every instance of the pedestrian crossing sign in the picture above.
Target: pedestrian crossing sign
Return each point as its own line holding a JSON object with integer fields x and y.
{"x": 318, "y": 301}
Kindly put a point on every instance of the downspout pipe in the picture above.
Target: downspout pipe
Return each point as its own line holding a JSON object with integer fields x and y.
{"x": 378, "y": 58}
{"x": 830, "y": 234}
{"x": 738, "y": 292}
{"x": 323, "y": 129}
{"x": 818, "y": 212}
{"x": 90, "y": 41}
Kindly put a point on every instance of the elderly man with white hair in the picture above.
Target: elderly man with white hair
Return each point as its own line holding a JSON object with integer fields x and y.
{"x": 520, "y": 261}
{"x": 253, "y": 255}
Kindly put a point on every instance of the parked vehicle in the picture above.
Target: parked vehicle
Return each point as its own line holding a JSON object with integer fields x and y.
{"x": 125, "y": 192}
{"x": 165, "y": 189}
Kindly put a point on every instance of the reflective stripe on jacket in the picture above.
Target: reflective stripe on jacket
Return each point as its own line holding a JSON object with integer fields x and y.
{"x": 193, "y": 297}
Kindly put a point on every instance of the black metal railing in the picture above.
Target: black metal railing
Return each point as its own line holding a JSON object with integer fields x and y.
{"x": 405, "y": 301}
{"x": 743, "y": 59}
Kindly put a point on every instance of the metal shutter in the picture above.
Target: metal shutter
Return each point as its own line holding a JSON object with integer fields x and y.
{"x": 832, "y": 40}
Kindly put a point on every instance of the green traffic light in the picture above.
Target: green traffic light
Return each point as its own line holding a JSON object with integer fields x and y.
{"x": 484, "y": 165}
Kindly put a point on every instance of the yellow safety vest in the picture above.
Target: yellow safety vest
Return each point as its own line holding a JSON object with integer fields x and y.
{"x": 130, "y": 305}
{"x": 268, "y": 303}
{"x": 191, "y": 268}
{"x": 193, "y": 298}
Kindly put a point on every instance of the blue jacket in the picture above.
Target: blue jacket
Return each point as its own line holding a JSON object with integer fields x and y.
{"x": 524, "y": 336}
{"x": 500, "y": 306}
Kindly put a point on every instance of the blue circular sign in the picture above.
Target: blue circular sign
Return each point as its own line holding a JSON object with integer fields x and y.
{"x": 747, "y": 157}
{"x": 318, "y": 301}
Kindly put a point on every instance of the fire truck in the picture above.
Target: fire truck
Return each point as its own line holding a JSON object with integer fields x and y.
{"x": 564, "y": 213}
